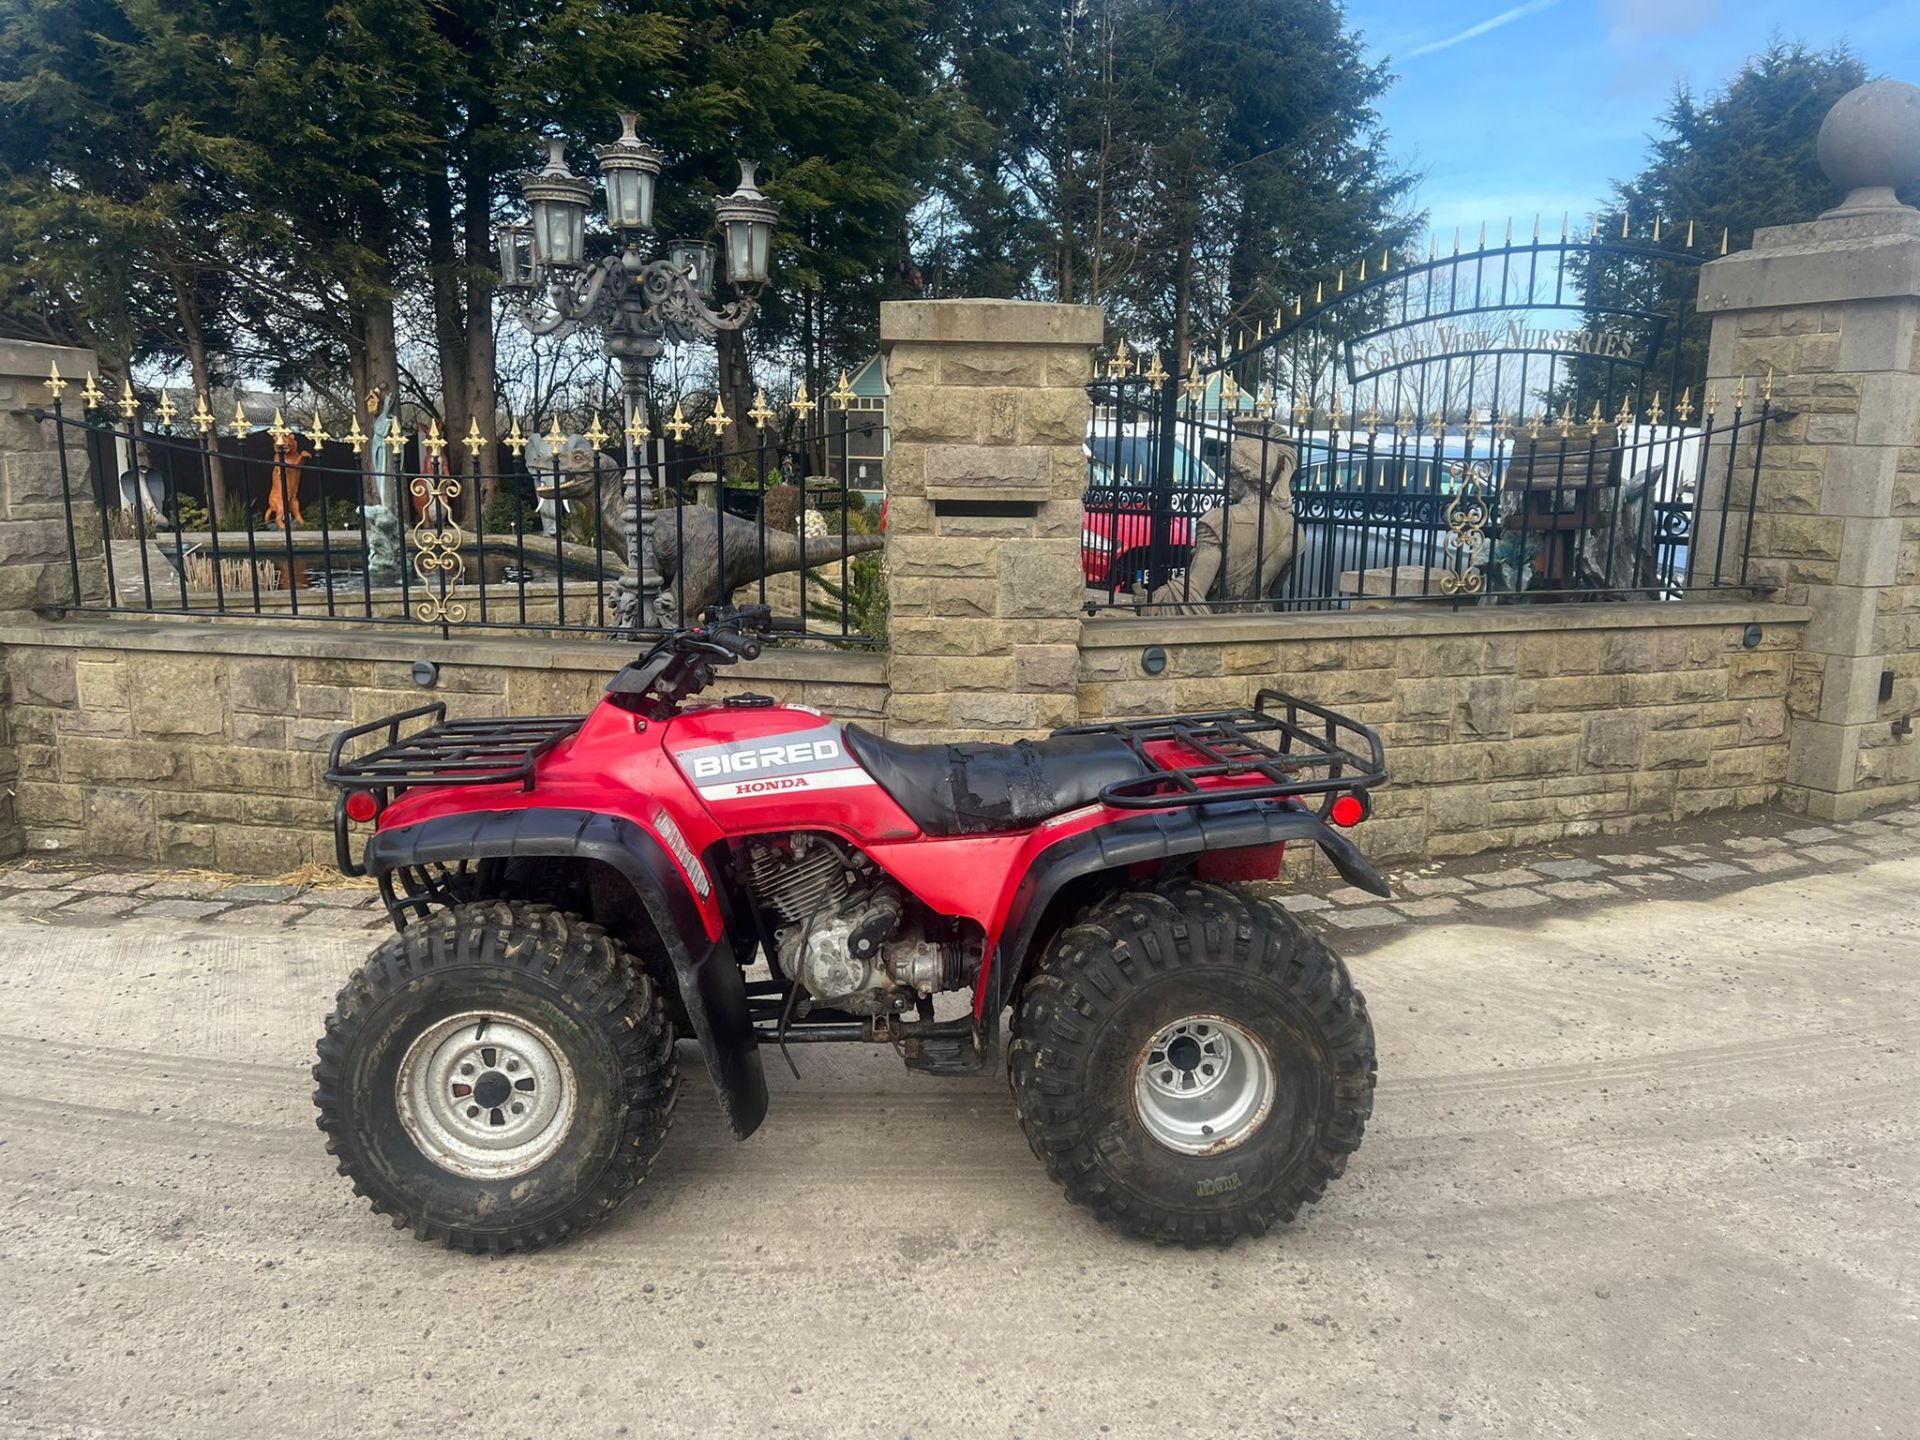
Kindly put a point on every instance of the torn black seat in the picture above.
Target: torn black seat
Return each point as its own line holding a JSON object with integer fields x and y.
{"x": 980, "y": 789}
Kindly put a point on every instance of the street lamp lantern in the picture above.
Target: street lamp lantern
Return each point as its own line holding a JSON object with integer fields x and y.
{"x": 746, "y": 220}
{"x": 638, "y": 305}
{"x": 694, "y": 259}
{"x": 628, "y": 168}
{"x": 517, "y": 271}
{"x": 559, "y": 200}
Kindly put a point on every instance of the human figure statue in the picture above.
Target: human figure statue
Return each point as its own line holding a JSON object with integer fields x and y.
{"x": 382, "y": 516}
{"x": 283, "y": 491}
{"x": 1241, "y": 550}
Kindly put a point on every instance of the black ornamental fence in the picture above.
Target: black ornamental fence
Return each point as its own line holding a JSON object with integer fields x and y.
{"x": 1504, "y": 425}
{"x": 584, "y": 531}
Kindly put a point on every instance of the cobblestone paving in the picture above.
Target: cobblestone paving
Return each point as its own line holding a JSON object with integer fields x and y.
{"x": 1521, "y": 887}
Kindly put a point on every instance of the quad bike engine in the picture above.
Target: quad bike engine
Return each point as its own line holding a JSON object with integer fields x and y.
{"x": 845, "y": 934}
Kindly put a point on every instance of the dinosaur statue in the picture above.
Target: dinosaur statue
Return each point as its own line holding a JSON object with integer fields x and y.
{"x": 694, "y": 532}
{"x": 283, "y": 491}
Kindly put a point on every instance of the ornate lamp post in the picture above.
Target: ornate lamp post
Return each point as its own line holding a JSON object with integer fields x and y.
{"x": 639, "y": 304}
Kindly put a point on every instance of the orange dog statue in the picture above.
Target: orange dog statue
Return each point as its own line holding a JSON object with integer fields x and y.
{"x": 283, "y": 493}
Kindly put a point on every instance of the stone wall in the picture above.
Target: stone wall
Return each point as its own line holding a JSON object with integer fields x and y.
{"x": 204, "y": 744}
{"x": 1505, "y": 726}
{"x": 988, "y": 411}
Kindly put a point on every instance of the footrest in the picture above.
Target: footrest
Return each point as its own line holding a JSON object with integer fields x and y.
{"x": 955, "y": 1053}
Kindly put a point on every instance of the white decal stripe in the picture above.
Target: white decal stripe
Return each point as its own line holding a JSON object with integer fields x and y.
{"x": 786, "y": 784}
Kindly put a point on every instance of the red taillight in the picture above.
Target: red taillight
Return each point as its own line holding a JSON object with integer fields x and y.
{"x": 1349, "y": 810}
{"x": 362, "y": 807}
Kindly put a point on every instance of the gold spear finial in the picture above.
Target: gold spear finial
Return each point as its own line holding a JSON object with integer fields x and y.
{"x": 356, "y": 437}
{"x": 801, "y": 402}
{"x": 1301, "y": 410}
{"x": 637, "y": 432}
{"x": 476, "y": 442}
{"x": 1683, "y": 412}
{"x": 1533, "y": 425}
{"x": 1319, "y": 292}
{"x": 1626, "y": 216}
{"x": 1156, "y": 373}
{"x": 843, "y": 395}
{"x": 556, "y": 438}
{"x": 1405, "y": 423}
{"x": 1438, "y": 423}
{"x": 280, "y": 430}
{"x": 165, "y": 409}
{"x": 1625, "y": 417}
{"x": 1195, "y": 387}
{"x": 597, "y": 435}
{"x": 1372, "y": 419}
{"x": 1766, "y": 389}
{"x": 90, "y": 394}
{"x": 1656, "y": 227}
{"x": 1712, "y": 404}
{"x": 1264, "y": 406}
{"x": 1594, "y": 421}
{"x": 1726, "y": 234}
{"x": 435, "y": 442}
{"x": 1503, "y": 430}
{"x": 1566, "y": 418}
{"x": 719, "y": 419}
{"x": 54, "y": 383}
{"x": 1654, "y": 410}
{"x": 1120, "y": 364}
{"x": 1689, "y": 234}
{"x": 1334, "y": 413}
{"x": 678, "y": 426}
{"x": 129, "y": 407}
{"x": 1229, "y": 392}
{"x": 1740, "y": 395}
{"x": 761, "y": 412}
{"x": 1362, "y": 277}
{"x": 320, "y": 435}
{"x": 203, "y": 420}
{"x": 516, "y": 440}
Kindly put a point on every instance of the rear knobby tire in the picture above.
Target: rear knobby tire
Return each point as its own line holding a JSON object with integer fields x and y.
{"x": 526, "y": 970}
{"x": 1108, "y": 989}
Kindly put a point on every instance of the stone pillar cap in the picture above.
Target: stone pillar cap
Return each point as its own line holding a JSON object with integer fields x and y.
{"x": 990, "y": 322}
{"x": 1869, "y": 145}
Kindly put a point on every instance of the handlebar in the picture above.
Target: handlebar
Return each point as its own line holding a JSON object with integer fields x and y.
{"x": 680, "y": 665}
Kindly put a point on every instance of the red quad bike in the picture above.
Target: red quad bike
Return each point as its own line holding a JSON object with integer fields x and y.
{"x": 573, "y": 893}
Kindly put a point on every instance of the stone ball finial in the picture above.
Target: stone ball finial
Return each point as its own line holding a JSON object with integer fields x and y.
{"x": 1870, "y": 144}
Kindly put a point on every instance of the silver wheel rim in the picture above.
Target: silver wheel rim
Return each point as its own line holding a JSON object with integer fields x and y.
{"x": 1203, "y": 1085}
{"x": 485, "y": 1095}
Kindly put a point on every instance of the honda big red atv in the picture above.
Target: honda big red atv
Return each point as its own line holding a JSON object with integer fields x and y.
{"x": 573, "y": 893}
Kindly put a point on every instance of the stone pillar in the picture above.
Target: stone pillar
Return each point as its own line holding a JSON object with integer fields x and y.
{"x": 1832, "y": 309}
{"x": 35, "y": 568}
{"x": 988, "y": 412}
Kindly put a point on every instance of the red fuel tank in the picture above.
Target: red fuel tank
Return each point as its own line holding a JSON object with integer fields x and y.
{"x": 780, "y": 767}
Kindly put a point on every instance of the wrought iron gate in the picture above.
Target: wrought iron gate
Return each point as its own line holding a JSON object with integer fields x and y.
{"x": 1520, "y": 421}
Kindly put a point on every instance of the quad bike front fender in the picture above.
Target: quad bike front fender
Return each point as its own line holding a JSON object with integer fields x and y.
{"x": 1154, "y": 835}
{"x": 712, "y": 986}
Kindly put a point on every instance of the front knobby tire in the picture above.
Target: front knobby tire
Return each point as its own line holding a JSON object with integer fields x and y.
{"x": 497, "y": 1077}
{"x": 1216, "y": 990}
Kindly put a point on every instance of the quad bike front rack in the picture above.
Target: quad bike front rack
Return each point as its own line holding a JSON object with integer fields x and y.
{"x": 1297, "y": 748}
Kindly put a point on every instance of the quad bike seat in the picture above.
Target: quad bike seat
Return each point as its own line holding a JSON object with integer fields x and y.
{"x": 980, "y": 789}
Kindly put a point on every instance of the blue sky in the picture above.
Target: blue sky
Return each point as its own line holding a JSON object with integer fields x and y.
{"x": 1517, "y": 106}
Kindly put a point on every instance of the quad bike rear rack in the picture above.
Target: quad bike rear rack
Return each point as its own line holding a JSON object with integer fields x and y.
{"x": 487, "y": 751}
{"x": 1296, "y": 747}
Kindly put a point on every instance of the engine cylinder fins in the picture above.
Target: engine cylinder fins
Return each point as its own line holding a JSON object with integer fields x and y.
{"x": 794, "y": 885}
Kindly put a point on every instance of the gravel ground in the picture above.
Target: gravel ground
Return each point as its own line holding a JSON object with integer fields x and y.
{"x": 1641, "y": 1165}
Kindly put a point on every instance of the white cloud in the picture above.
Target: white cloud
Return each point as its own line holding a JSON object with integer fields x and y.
{"x": 1474, "y": 32}
{"x": 1631, "y": 23}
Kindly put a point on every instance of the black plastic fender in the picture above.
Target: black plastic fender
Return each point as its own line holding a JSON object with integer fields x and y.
{"x": 1160, "y": 835}
{"x": 711, "y": 983}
